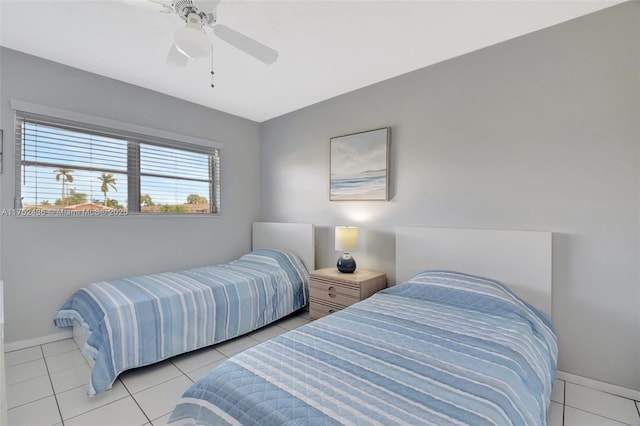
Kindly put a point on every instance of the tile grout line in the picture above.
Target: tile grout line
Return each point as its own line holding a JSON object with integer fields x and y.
{"x": 131, "y": 394}
{"x": 157, "y": 384}
{"x": 564, "y": 400}
{"x": 136, "y": 402}
{"x": 178, "y": 368}
{"x": 93, "y": 409}
{"x": 583, "y": 385}
{"x": 22, "y": 362}
{"x": 597, "y": 414}
{"x": 27, "y": 379}
{"x": 53, "y": 389}
{"x": 47, "y": 374}
{"x": 55, "y": 394}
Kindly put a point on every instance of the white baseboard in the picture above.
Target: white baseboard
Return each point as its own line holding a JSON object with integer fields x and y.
{"x": 600, "y": 386}
{"x": 23, "y": 344}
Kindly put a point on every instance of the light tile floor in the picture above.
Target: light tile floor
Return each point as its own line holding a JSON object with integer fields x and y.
{"x": 46, "y": 386}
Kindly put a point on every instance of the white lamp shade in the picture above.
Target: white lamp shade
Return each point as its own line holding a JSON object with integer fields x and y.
{"x": 346, "y": 238}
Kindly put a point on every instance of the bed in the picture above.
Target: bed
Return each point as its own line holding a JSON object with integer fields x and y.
{"x": 135, "y": 321}
{"x": 443, "y": 347}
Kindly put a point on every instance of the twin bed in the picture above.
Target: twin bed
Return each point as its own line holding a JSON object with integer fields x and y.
{"x": 131, "y": 322}
{"x": 441, "y": 348}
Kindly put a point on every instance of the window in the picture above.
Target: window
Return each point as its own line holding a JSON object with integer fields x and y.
{"x": 64, "y": 167}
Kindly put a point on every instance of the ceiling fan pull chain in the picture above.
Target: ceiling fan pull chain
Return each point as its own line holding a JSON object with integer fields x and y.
{"x": 212, "y": 73}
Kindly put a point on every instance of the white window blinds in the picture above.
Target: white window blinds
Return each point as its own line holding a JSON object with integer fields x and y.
{"x": 69, "y": 166}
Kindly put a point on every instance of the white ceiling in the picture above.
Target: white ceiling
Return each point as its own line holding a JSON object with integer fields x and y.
{"x": 326, "y": 47}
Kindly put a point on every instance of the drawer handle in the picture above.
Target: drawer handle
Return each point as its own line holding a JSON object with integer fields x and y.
{"x": 332, "y": 288}
{"x": 331, "y": 311}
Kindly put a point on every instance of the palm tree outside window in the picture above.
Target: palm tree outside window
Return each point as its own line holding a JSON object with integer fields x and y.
{"x": 108, "y": 181}
{"x": 64, "y": 175}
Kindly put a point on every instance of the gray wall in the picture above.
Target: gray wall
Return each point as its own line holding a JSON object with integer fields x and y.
{"x": 45, "y": 260}
{"x": 537, "y": 133}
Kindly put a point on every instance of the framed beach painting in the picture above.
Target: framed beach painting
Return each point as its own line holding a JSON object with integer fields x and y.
{"x": 359, "y": 167}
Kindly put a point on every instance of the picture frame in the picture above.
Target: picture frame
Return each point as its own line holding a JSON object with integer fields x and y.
{"x": 359, "y": 166}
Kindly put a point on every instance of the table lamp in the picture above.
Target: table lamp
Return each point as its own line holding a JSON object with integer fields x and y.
{"x": 346, "y": 241}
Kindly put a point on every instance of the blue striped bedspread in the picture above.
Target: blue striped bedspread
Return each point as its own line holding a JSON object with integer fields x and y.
{"x": 443, "y": 348}
{"x": 138, "y": 321}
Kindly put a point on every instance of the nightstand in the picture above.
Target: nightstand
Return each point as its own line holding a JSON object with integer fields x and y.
{"x": 331, "y": 290}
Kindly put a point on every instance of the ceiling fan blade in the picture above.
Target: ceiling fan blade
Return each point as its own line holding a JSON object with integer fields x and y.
{"x": 248, "y": 45}
{"x": 165, "y": 4}
{"x": 176, "y": 58}
{"x": 208, "y": 5}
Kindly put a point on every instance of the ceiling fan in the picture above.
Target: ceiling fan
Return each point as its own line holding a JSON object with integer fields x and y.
{"x": 192, "y": 41}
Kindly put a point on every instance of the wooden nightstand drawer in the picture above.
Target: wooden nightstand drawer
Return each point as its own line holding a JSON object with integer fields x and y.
{"x": 318, "y": 309}
{"x": 333, "y": 292}
{"x": 330, "y": 290}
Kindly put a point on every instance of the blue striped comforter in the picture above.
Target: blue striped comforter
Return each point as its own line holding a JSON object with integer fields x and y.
{"x": 443, "y": 349}
{"x": 141, "y": 320}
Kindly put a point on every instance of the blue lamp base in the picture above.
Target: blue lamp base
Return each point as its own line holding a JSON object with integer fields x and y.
{"x": 346, "y": 264}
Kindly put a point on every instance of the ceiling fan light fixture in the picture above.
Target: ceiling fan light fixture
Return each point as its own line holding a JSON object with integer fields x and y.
{"x": 192, "y": 41}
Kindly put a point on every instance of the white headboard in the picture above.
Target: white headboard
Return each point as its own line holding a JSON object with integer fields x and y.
{"x": 519, "y": 259}
{"x": 298, "y": 238}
